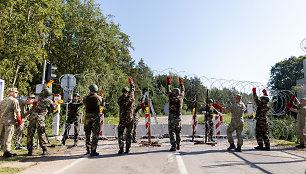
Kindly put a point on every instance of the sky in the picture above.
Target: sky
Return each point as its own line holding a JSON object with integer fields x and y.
{"x": 224, "y": 39}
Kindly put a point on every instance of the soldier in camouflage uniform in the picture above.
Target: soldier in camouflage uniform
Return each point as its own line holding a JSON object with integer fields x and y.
{"x": 135, "y": 121}
{"x": 126, "y": 104}
{"x": 176, "y": 98}
{"x": 73, "y": 118}
{"x": 237, "y": 109}
{"x": 92, "y": 103}
{"x": 25, "y": 106}
{"x": 301, "y": 117}
{"x": 9, "y": 114}
{"x": 37, "y": 121}
{"x": 262, "y": 127}
{"x": 210, "y": 111}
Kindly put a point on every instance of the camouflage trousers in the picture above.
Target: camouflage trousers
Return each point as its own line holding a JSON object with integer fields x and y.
{"x": 300, "y": 129}
{"x": 235, "y": 125}
{"x": 210, "y": 128}
{"x": 262, "y": 131}
{"x": 19, "y": 133}
{"x": 6, "y": 136}
{"x": 128, "y": 124}
{"x": 67, "y": 129}
{"x": 92, "y": 126}
{"x": 174, "y": 127}
{"x": 40, "y": 126}
{"x": 135, "y": 123}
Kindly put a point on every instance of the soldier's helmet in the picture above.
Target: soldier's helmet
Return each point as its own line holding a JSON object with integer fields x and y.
{"x": 125, "y": 89}
{"x": 265, "y": 98}
{"x": 31, "y": 96}
{"x": 46, "y": 92}
{"x": 210, "y": 101}
{"x": 93, "y": 88}
{"x": 76, "y": 95}
{"x": 176, "y": 91}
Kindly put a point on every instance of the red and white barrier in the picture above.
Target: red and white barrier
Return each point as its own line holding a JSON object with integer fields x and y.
{"x": 80, "y": 121}
{"x": 147, "y": 121}
{"x": 101, "y": 124}
{"x": 56, "y": 116}
{"x": 194, "y": 123}
{"x": 218, "y": 123}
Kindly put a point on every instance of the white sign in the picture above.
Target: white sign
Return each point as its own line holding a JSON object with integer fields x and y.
{"x": 68, "y": 82}
{"x": 1, "y": 89}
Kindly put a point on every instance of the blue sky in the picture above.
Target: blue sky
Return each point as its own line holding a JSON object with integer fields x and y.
{"x": 229, "y": 39}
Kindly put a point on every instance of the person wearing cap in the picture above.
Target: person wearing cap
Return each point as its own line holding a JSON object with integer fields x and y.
{"x": 9, "y": 114}
{"x": 176, "y": 98}
{"x": 262, "y": 127}
{"x": 237, "y": 109}
{"x": 25, "y": 106}
{"x": 301, "y": 117}
{"x": 92, "y": 103}
{"x": 126, "y": 103}
{"x": 73, "y": 118}
{"x": 37, "y": 121}
{"x": 210, "y": 110}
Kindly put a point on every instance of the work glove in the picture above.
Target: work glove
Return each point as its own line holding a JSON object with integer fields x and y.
{"x": 19, "y": 120}
{"x": 130, "y": 80}
{"x": 34, "y": 103}
{"x": 265, "y": 92}
{"x": 218, "y": 106}
{"x": 288, "y": 105}
{"x": 294, "y": 99}
{"x": 143, "y": 104}
{"x": 254, "y": 91}
{"x": 181, "y": 81}
{"x": 169, "y": 80}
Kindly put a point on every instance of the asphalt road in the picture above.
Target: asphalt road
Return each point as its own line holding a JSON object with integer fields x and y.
{"x": 190, "y": 159}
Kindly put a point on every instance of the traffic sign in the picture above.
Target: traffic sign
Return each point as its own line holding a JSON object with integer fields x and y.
{"x": 68, "y": 82}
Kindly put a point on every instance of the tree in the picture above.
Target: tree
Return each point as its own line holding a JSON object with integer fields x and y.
{"x": 284, "y": 74}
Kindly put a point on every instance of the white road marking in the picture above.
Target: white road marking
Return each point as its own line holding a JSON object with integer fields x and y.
{"x": 180, "y": 164}
{"x": 68, "y": 166}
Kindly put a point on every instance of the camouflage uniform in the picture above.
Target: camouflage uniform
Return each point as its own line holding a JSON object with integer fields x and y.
{"x": 135, "y": 122}
{"x": 25, "y": 112}
{"x": 37, "y": 121}
{"x": 175, "y": 112}
{"x": 92, "y": 104}
{"x": 126, "y": 104}
{"x": 8, "y": 109}
{"x": 300, "y": 125}
{"x": 262, "y": 127}
{"x": 210, "y": 111}
{"x": 73, "y": 118}
{"x": 237, "y": 110}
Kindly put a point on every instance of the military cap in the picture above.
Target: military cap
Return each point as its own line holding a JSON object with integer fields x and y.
{"x": 31, "y": 96}
{"x": 210, "y": 101}
{"x": 46, "y": 92}
{"x": 125, "y": 89}
{"x": 238, "y": 96}
{"x": 12, "y": 90}
{"x": 76, "y": 95}
{"x": 93, "y": 88}
{"x": 265, "y": 98}
{"x": 176, "y": 90}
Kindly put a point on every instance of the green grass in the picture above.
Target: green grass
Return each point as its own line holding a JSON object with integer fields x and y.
{"x": 111, "y": 120}
{"x": 10, "y": 170}
{"x": 283, "y": 142}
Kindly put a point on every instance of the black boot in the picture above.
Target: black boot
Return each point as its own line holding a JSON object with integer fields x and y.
{"x": 127, "y": 149}
{"x": 30, "y": 152}
{"x": 172, "y": 148}
{"x": 178, "y": 147}
{"x": 120, "y": 151}
{"x": 232, "y": 147}
{"x": 259, "y": 147}
{"x": 45, "y": 152}
{"x": 9, "y": 154}
{"x": 267, "y": 148}
{"x": 87, "y": 151}
{"x": 75, "y": 143}
{"x": 238, "y": 149}
{"x": 300, "y": 146}
{"x": 94, "y": 153}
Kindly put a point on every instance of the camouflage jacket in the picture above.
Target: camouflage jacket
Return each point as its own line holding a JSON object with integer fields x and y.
{"x": 74, "y": 110}
{"x": 210, "y": 111}
{"x": 237, "y": 110}
{"x": 261, "y": 111}
{"x": 25, "y": 109}
{"x": 8, "y": 109}
{"x": 92, "y": 104}
{"x": 126, "y": 104}
{"x": 40, "y": 111}
{"x": 176, "y": 102}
